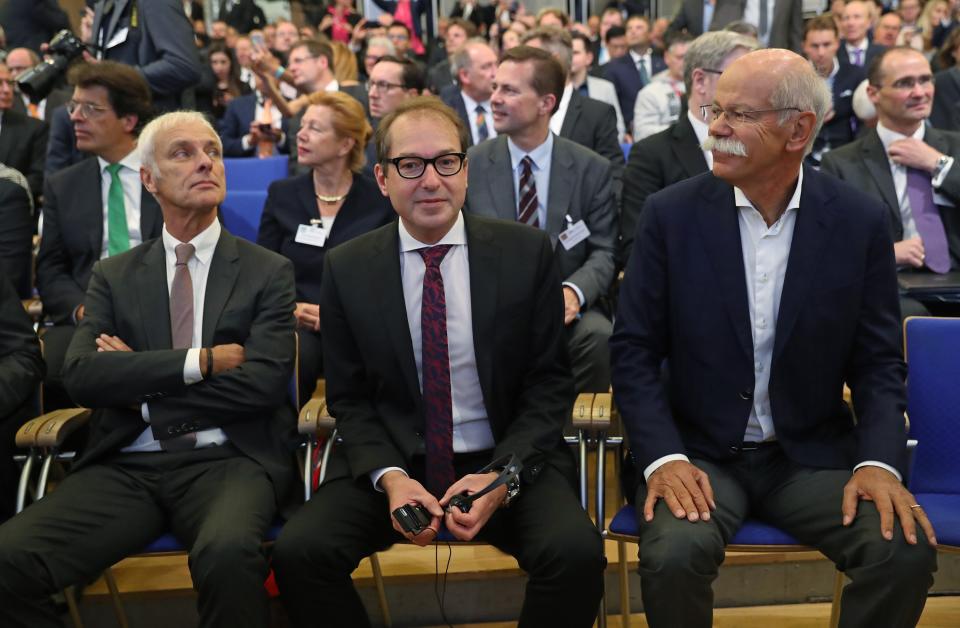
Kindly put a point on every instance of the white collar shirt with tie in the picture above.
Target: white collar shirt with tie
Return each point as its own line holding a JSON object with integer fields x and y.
{"x": 645, "y": 59}
{"x": 132, "y": 191}
{"x": 471, "y": 106}
{"x": 541, "y": 156}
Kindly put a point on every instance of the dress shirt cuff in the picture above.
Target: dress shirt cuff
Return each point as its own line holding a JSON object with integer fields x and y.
{"x": 191, "y": 367}
{"x": 145, "y": 412}
{"x": 579, "y": 292}
{"x": 874, "y": 463}
{"x": 376, "y": 474}
{"x": 942, "y": 175}
{"x": 659, "y": 462}
{"x": 245, "y": 143}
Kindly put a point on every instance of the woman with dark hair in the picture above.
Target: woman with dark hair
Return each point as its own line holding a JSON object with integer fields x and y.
{"x": 307, "y": 215}
{"x": 225, "y": 85}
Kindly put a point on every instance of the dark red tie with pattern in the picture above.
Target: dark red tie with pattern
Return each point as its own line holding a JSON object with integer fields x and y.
{"x": 435, "y": 368}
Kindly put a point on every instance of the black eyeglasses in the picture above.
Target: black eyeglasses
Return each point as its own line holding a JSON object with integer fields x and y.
{"x": 446, "y": 165}
{"x": 383, "y": 86}
{"x": 712, "y": 71}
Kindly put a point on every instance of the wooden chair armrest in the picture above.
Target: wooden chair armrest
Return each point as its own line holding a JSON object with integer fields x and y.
{"x": 583, "y": 411}
{"x": 60, "y": 424}
{"x": 603, "y": 409}
{"x": 27, "y": 434}
{"x": 315, "y": 419}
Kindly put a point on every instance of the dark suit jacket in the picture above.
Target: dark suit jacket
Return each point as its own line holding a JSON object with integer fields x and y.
{"x": 249, "y": 301}
{"x": 872, "y": 51}
{"x": 580, "y": 188}
{"x": 626, "y": 79}
{"x": 417, "y": 8}
{"x": 481, "y": 16}
{"x": 161, "y": 45}
{"x": 292, "y": 202}
{"x": 73, "y": 236}
{"x": 592, "y": 123}
{"x": 946, "y": 100}
{"x": 16, "y": 236}
{"x": 864, "y": 165}
{"x": 451, "y": 97}
{"x": 23, "y": 146}
{"x": 62, "y": 149}
{"x": 684, "y": 300}
{"x": 236, "y": 123}
{"x": 840, "y": 129}
{"x": 786, "y": 27}
{"x": 29, "y": 23}
{"x": 244, "y": 16}
{"x": 656, "y": 162}
{"x": 56, "y": 98}
{"x": 522, "y": 363}
{"x": 689, "y": 16}
{"x": 440, "y": 76}
{"x": 21, "y": 364}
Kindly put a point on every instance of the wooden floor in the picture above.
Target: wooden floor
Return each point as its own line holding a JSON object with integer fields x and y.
{"x": 940, "y": 612}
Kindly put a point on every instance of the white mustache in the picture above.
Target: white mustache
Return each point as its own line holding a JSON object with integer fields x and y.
{"x": 725, "y": 145}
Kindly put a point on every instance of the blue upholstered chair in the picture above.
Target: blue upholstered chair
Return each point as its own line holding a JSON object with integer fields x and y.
{"x": 241, "y": 211}
{"x": 251, "y": 174}
{"x": 933, "y": 405}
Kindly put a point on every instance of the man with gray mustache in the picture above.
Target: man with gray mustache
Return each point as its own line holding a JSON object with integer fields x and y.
{"x": 764, "y": 286}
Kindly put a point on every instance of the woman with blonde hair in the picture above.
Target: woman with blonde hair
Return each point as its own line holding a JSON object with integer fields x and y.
{"x": 307, "y": 215}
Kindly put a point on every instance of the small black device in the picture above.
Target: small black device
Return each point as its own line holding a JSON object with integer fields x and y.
{"x": 39, "y": 81}
{"x": 509, "y": 467}
{"x": 413, "y": 518}
{"x": 266, "y": 128}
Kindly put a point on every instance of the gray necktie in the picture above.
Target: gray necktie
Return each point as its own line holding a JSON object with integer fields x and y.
{"x": 181, "y": 328}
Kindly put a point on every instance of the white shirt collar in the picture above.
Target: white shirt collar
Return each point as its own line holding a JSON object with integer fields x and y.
{"x": 794, "y": 203}
{"x": 863, "y": 45}
{"x": 204, "y": 242}
{"x": 888, "y": 136}
{"x": 700, "y": 128}
{"x": 471, "y": 104}
{"x": 131, "y": 161}
{"x": 638, "y": 57}
{"x": 332, "y": 86}
{"x": 456, "y": 235}
{"x": 539, "y": 155}
{"x": 836, "y": 68}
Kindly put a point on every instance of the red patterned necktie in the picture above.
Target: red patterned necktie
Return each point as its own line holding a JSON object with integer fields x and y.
{"x": 527, "y": 210}
{"x": 435, "y": 369}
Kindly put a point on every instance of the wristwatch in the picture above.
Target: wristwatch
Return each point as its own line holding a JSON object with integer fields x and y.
{"x": 941, "y": 164}
{"x": 513, "y": 489}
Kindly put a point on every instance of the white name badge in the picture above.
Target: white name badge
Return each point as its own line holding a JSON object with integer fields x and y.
{"x": 575, "y": 234}
{"x": 311, "y": 234}
{"x": 118, "y": 38}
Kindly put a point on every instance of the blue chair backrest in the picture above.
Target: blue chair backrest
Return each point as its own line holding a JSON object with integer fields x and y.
{"x": 933, "y": 403}
{"x": 252, "y": 174}
{"x": 241, "y": 211}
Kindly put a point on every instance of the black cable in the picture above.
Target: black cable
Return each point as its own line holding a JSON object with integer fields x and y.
{"x": 441, "y": 592}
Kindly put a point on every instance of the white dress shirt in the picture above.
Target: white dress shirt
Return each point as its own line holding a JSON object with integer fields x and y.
{"x": 766, "y": 251}
{"x": 199, "y": 266}
{"x": 132, "y": 191}
{"x": 471, "y": 428}
{"x": 556, "y": 120}
{"x": 645, "y": 59}
{"x": 852, "y": 48}
{"x": 657, "y": 105}
{"x": 702, "y": 130}
{"x": 899, "y": 174}
{"x": 471, "y": 106}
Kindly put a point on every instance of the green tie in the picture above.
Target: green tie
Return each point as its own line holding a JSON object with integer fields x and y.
{"x": 118, "y": 235}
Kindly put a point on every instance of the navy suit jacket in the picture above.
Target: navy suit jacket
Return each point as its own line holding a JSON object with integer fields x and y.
{"x": 626, "y": 79}
{"x": 236, "y": 123}
{"x": 292, "y": 202}
{"x": 840, "y": 129}
{"x": 684, "y": 303}
{"x": 450, "y": 95}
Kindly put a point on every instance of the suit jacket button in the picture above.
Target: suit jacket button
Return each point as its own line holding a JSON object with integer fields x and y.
{"x": 746, "y": 395}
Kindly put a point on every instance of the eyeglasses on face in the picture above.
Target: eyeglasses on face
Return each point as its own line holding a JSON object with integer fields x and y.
{"x": 383, "y": 86}
{"x": 87, "y": 110}
{"x": 712, "y": 113}
{"x": 446, "y": 165}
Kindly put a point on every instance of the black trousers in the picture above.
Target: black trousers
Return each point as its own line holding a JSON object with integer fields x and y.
{"x": 545, "y": 529}
{"x": 217, "y": 502}
{"x": 679, "y": 560}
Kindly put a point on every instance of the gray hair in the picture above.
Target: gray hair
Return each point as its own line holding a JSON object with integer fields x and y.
{"x": 461, "y": 58}
{"x": 806, "y": 91}
{"x": 147, "y": 145}
{"x": 710, "y": 49}
{"x": 556, "y": 41}
{"x": 382, "y": 42}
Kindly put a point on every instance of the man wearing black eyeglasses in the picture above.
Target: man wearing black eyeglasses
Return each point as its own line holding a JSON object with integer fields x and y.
{"x": 444, "y": 354}
{"x": 910, "y": 167}
{"x": 96, "y": 208}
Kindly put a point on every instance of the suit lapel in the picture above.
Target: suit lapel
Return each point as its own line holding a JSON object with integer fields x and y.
{"x": 814, "y": 220}
{"x": 574, "y": 107}
{"x": 386, "y": 281}
{"x": 561, "y": 188}
{"x": 687, "y": 149}
{"x": 118, "y": 8}
{"x": 720, "y": 233}
{"x": 484, "y": 256}
{"x": 154, "y": 298}
{"x": 501, "y": 180}
{"x": 151, "y": 218}
{"x": 90, "y": 207}
{"x": 875, "y": 159}
{"x": 224, "y": 269}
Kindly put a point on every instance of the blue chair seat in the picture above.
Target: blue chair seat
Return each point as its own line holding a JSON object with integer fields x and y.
{"x": 167, "y": 543}
{"x": 241, "y": 212}
{"x": 753, "y": 532}
{"x": 252, "y": 174}
{"x": 943, "y": 510}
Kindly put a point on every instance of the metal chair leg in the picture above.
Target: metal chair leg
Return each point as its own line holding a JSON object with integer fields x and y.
{"x": 24, "y": 483}
{"x": 381, "y": 592}
{"x": 115, "y": 598}
{"x": 41, "y": 489}
{"x": 838, "y": 583}
{"x": 582, "y": 469}
{"x": 601, "y": 507}
{"x": 624, "y": 571}
{"x": 69, "y": 594}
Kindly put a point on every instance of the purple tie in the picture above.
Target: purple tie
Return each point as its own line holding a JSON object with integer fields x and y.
{"x": 928, "y": 221}
{"x": 858, "y": 57}
{"x": 435, "y": 369}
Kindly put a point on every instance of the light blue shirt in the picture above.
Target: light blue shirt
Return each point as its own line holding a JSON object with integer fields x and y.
{"x": 541, "y": 157}
{"x": 708, "y": 10}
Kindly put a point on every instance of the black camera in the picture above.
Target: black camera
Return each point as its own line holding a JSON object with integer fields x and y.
{"x": 39, "y": 81}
